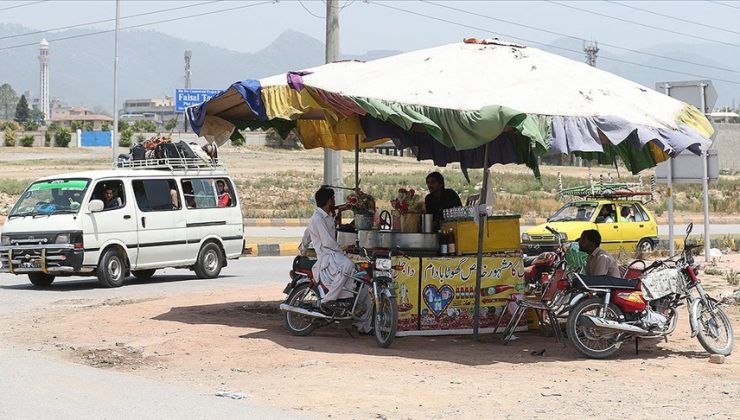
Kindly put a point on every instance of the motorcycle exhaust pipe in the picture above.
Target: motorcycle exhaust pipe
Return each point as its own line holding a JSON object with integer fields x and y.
{"x": 287, "y": 308}
{"x": 608, "y": 324}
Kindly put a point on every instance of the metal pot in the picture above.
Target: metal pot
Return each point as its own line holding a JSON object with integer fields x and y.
{"x": 346, "y": 238}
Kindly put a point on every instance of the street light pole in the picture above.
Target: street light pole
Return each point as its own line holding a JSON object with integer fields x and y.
{"x": 114, "y": 136}
{"x": 333, "y": 158}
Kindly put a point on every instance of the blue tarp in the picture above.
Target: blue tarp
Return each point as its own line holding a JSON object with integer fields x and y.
{"x": 96, "y": 139}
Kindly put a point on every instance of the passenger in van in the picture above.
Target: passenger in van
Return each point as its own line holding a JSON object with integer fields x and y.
{"x": 175, "y": 198}
{"x": 187, "y": 191}
{"x": 224, "y": 196}
{"x": 110, "y": 201}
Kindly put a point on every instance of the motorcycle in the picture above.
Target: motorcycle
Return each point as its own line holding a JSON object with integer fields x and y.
{"x": 605, "y": 312}
{"x": 302, "y": 307}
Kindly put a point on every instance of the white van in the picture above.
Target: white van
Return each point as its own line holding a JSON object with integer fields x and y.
{"x": 136, "y": 218}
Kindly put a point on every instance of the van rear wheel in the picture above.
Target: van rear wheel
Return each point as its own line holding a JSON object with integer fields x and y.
{"x": 209, "y": 263}
{"x": 40, "y": 279}
{"x": 111, "y": 270}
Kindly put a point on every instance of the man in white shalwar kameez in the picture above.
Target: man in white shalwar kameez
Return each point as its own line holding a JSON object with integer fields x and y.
{"x": 333, "y": 268}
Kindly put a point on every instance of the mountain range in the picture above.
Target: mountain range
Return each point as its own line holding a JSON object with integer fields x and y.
{"x": 151, "y": 64}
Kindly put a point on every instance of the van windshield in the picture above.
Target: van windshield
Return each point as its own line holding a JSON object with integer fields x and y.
{"x": 51, "y": 197}
{"x": 574, "y": 211}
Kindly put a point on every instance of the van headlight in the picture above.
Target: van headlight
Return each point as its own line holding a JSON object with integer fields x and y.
{"x": 525, "y": 237}
{"x": 62, "y": 238}
{"x": 383, "y": 264}
{"x": 5, "y": 240}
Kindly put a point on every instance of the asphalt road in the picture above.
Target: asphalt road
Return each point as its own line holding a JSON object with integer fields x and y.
{"x": 297, "y": 232}
{"x": 33, "y": 385}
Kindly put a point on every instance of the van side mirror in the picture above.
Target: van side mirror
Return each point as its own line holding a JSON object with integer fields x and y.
{"x": 95, "y": 206}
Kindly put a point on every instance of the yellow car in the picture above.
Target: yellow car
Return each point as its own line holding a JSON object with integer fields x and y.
{"x": 623, "y": 224}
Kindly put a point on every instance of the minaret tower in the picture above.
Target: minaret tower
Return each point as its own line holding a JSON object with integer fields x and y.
{"x": 44, "y": 96}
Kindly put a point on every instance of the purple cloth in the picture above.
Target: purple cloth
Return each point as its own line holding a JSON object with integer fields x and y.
{"x": 295, "y": 79}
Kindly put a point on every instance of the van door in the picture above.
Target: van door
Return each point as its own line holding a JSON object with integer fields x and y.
{"x": 160, "y": 223}
{"x": 115, "y": 224}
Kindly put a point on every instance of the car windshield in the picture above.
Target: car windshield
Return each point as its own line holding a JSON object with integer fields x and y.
{"x": 51, "y": 197}
{"x": 574, "y": 212}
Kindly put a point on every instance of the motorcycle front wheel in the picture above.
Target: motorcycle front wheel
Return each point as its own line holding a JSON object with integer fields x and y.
{"x": 590, "y": 341}
{"x": 302, "y": 297}
{"x": 385, "y": 320}
{"x": 715, "y": 331}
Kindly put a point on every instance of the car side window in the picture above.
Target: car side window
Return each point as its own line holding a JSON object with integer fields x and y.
{"x": 111, "y": 192}
{"x": 208, "y": 193}
{"x": 642, "y": 212}
{"x": 157, "y": 194}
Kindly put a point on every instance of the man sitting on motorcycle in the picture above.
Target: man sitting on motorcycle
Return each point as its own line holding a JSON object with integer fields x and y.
{"x": 600, "y": 262}
{"x": 333, "y": 268}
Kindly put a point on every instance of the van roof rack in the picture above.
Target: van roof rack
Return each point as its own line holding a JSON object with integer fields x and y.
{"x": 608, "y": 190}
{"x": 172, "y": 164}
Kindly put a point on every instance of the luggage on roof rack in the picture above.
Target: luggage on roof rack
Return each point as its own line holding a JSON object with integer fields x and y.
{"x": 608, "y": 190}
{"x": 172, "y": 164}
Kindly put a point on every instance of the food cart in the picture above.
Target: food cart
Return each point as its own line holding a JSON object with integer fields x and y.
{"x": 477, "y": 103}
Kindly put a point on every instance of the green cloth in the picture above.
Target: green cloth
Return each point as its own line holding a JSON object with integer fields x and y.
{"x": 576, "y": 259}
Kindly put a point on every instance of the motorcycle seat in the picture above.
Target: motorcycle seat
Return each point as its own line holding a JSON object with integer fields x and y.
{"x": 607, "y": 282}
{"x": 301, "y": 263}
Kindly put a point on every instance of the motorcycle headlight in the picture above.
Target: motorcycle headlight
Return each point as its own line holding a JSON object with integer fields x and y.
{"x": 383, "y": 264}
{"x": 62, "y": 238}
{"x": 525, "y": 237}
{"x": 5, "y": 240}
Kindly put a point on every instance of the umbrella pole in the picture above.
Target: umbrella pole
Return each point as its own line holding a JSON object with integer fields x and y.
{"x": 482, "y": 219}
{"x": 357, "y": 161}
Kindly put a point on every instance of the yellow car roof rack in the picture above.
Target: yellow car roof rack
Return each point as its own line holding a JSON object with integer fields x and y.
{"x": 608, "y": 190}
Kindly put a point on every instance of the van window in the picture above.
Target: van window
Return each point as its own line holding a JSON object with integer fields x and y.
{"x": 51, "y": 197}
{"x": 208, "y": 193}
{"x": 111, "y": 193}
{"x": 156, "y": 194}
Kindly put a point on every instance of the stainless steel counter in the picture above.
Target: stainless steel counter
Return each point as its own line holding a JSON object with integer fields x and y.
{"x": 392, "y": 239}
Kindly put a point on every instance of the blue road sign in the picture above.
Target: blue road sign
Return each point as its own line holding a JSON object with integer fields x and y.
{"x": 189, "y": 97}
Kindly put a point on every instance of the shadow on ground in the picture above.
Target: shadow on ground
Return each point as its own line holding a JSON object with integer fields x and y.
{"x": 71, "y": 284}
{"x": 531, "y": 347}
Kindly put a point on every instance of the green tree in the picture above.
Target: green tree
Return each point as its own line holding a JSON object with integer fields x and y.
{"x": 27, "y": 140}
{"x": 30, "y": 125}
{"x": 9, "y": 137}
{"x": 53, "y": 127}
{"x": 170, "y": 124}
{"x": 8, "y": 101}
{"x": 62, "y": 137}
{"x": 75, "y": 125}
{"x": 125, "y": 138}
{"x": 145, "y": 126}
{"x": 122, "y": 125}
{"x": 37, "y": 116}
{"x": 87, "y": 126}
{"x": 105, "y": 126}
{"x": 22, "y": 112}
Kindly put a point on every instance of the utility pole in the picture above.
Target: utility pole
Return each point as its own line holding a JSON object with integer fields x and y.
{"x": 333, "y": 158}
{"x": 114, "y": 136}
{"x": 188, "y": 74}
{"x": 592, "y": 51}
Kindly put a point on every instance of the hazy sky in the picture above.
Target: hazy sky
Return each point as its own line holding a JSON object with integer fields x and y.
{"x": 368, "y": 25}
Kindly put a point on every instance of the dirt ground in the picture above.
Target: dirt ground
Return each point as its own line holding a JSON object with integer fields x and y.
{"x": 237, "y": 342}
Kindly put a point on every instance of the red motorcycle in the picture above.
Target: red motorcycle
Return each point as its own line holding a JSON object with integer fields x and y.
{"x": 604, "y": 312}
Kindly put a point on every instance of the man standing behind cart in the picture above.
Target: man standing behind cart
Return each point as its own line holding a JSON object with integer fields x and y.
{"x": 332, "y": 268}
{"x": 439, "y": 197}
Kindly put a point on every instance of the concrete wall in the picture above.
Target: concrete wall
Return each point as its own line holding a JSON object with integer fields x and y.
{"x": 39, "y": 138}
{"x": 727, "y": 144}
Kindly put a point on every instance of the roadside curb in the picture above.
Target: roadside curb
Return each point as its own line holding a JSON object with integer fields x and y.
{"x": 275, "y": 222}
{"x": 525, "y": 221}
{"x": 270, "y": 250}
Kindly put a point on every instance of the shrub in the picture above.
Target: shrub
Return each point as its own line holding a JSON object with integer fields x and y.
{"x": 105, "y": 126}
{"x": 140, "y": 138}
{"x": 125, "y": 138}
{"x": 4, "y": 125}
{"x": 27, "y": 140}
{"x": 47, "y": 138}
{"x": 9, "y": 137}
{"x": 62, "y": 137}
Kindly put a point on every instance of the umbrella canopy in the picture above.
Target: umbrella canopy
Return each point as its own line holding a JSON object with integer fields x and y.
{"x": 450, "y": 101}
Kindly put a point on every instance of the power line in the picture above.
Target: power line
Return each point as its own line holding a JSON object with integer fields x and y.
{"x": 579, "y": 38}
{"x": 108, "y": 20}
{"x": 30, "y": 3}
{"x": 140, "y": 25}
{"x": 643, "y": 24}
{"x": 308, "y": 11}
{"x": 725, "y": 4}
{"x": 673, "y": 17}
{"x": 542, "y": 43}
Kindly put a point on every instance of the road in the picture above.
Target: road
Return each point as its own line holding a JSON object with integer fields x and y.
{"x": 33, "y": 385}
{"x": 297, "y": 232}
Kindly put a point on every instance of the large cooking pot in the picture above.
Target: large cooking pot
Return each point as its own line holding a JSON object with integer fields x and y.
{"x": 391, "y": 239}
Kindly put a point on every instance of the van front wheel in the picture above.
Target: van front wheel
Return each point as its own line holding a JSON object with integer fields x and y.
{"x": 40, "y": 279}
{"x": 112, "y": 269}
{"x": 209, "y": 262}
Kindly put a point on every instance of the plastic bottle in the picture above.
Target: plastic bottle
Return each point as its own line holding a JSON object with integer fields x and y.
{"x": 443, "y": 244}
{"x": 451, "y": 247}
